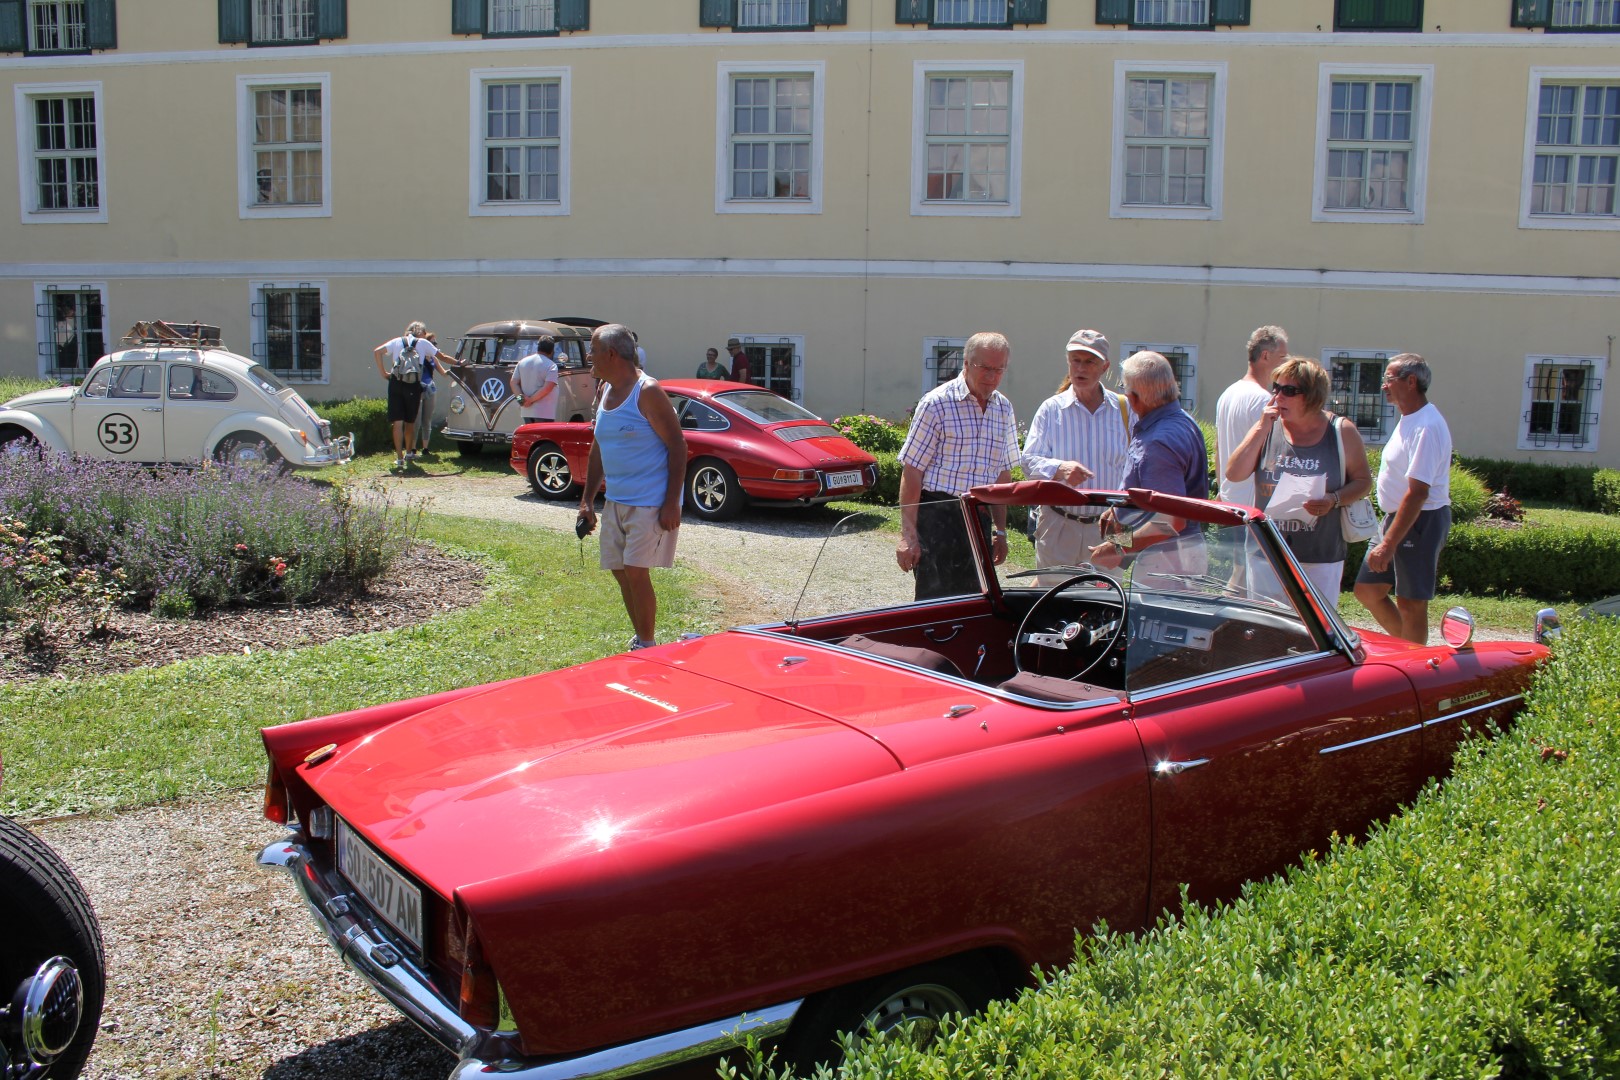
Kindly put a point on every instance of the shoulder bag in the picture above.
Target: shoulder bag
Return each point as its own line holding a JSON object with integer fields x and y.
{"x": 1358, "y": 521}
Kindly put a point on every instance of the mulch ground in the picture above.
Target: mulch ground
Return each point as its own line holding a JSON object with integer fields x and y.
{"x": 421, "y": 585}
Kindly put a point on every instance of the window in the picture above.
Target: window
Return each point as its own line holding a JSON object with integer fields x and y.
{"x": 1570, "y": 15}
{"x": 1183, "y": 361}
{"x": 769, "y": 140}
{"x": 775, "y": 362}
{"x": 1572, "y": 152}
{"x": 970, "y": 14}
{"x": 1357, "y": 391}
{"x": 965, "y": 155}
{"x": 942, "y": 361}
{"x": 1563, "y": 401}
{"x": 45, "y": 27}
{"x": 518, "y": 18}
{"x": 71, "y": 333}
{"x": 284, "y": 152}
{"x": 1378, "y": 15}
{"x": 520, "y": 130}
{"x": 282, "y": 22}
{"x": 773, "y": 14}
{"x": 1372, "y": 144}
{"x": 289, "y": 328}
{"x": 59, "y": 152}
{"x": 1168, "y": 140}
{"x": 1173, "y": 14}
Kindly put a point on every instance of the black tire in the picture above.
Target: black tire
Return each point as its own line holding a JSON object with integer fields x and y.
{"x": 549, "y": 474}
{"x": 470, "y": 449}
{"x": 16, "y": 439}
{"x": 248, "y": 449}
{"x": 712, "y": 490}
{"x": 912, "y": 1002}
{"x": 46, "y": 914}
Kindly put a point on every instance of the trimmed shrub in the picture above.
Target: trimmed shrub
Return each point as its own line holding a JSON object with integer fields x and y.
{"x": 1468, "y": 495}
{"x": 1606, "y": 486}
{"x": 1579, "y": 487}
{"x": 366, "y": 417}
{"x": 872, "y": 433}
{"x": 1546, "y": 561}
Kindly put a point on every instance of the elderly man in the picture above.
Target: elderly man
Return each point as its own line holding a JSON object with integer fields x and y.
{"x": 1078, "y": 437}
{"x": 739, "y": 360}
{"x": 1240, "y": 406}
{"x": 640, "y": 454}
{"x": 963, "y": 434}
{"x": 1414, "y": 477}
{"x": 1166, "y": 453}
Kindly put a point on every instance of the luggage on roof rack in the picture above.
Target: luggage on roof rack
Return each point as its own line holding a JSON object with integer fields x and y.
{"x": 158, "y": 332}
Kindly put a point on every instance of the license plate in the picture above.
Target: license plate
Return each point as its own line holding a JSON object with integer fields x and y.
{"x": 852, "y": 478}
{"x": 389, "y": 892}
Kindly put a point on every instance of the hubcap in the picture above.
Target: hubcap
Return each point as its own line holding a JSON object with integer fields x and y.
{"x": 915, "y": 1012}
{"x": 246, "y": 454}
{"x": 552, "y": 472}
{"x": 49, "y": 1007}
{"x": 709, "y": 489}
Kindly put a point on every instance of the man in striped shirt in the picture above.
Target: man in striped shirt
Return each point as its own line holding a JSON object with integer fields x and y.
{"x": 1078, "y": 437}
{"x": 963, "y": 434}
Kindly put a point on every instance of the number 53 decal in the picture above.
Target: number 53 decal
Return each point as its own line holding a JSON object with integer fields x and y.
{"x": 117, "y": 433}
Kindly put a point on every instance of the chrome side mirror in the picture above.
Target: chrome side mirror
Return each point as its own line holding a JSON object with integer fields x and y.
{"x": 1548, "y": 628}
{"x": 1457, "y": 628}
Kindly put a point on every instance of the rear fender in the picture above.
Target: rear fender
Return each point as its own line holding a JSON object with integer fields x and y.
{"x": 283, "y": 439}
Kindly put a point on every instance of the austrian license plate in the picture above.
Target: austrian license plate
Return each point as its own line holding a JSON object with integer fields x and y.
{"x": 389, "y": 892}
{"x": 852, "y": 478}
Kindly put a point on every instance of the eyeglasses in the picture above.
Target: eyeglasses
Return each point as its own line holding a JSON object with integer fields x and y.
{"x": 1286, "y": 390}
{"x": 1387, "y": 379}
{"x": 988, "y": 370}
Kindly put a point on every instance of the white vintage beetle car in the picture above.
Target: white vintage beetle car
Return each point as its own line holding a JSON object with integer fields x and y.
{"x": 175, "y": 394}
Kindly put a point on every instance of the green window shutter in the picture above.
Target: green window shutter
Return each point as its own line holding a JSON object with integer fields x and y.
{"x": 1355, "y": 14}
{"x": 1114, "y": 12}
{"x": 912, "y": 11}
{"x": 12, "y": 35}
{"x": 234, "y": 22}
{"x": 332, "y": 19}
{"x": 467, "y": 16}
{"x": 573, "y": 14}
{"x": 1029, "y": 11}
{"x": 715, "y": 12}
{"x": 101, "y": 24}
{"x": 829, "y": 12}
{"x": 1230, "y": 13}
{"x": 1532, "y": 12}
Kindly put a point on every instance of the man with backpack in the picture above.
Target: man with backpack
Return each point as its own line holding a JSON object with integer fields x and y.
{"x": 402, "y": 361}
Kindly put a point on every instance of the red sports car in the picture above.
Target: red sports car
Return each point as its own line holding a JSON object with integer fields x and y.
{"x": 876, "y": 817}
{"x": 743, "y": 444}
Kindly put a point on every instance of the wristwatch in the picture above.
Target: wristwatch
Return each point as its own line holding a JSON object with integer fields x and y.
{"x": 999, "y": 532}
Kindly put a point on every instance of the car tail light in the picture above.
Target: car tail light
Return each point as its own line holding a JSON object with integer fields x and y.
{"x": 794, "y": 474}
{"x": 277, "y": 803}
{"x": 480, "y": 999}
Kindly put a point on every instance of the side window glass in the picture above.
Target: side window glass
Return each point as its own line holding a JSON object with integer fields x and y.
{"x": 514, "y": 349}
{"x": 212, "y": 386}
{"x": 97, "y": 385}
{"x": 182, "y": 382}
{"x": 140, "y": 381}
{"x": 701, "y": 417}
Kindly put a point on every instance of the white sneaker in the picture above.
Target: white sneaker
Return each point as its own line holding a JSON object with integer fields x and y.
{"x": 637, "y": 643}
{"x": 410, "y": 455}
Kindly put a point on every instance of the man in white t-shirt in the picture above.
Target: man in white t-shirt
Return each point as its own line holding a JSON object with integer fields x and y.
{"x": 534, "y": 382}
{"x": 1240, "y": 406}
{"x": 1414, "y": 492}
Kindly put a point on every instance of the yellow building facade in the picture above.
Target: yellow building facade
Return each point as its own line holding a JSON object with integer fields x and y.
{"x": 852, "y": 187}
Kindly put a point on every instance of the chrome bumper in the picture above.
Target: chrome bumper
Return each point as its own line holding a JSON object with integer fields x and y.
{"x": 356, "y": 936}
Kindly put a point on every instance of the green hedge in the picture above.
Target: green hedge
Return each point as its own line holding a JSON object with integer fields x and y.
{"x": 1551, "y": 562}
{"x": 1476, "y": 935}
{"x": 366, "y": 417}
{"x": 1580, "y": 487}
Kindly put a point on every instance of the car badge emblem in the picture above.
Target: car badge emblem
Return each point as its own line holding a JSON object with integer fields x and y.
{"x": 492, "y": 390}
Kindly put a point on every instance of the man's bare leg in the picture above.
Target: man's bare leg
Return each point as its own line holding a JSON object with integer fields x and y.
{"x": 640, "y": 602}
{"x": 1374, "y": 596}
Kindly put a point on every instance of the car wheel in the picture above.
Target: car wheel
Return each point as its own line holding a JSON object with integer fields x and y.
{"x": 470, "y": 449}
{"x": 549, "y": 473}
{"x": 712, "y": 491}
{"x": 249, "y": 450}
{"x": 52, "y": 969}
{"x": 908, "y": 1004}
{"x": 16, "y": 440}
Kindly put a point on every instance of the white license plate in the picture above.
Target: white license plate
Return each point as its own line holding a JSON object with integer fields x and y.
{"x": 389, "y": 892}
{"x": 844, "y": 479}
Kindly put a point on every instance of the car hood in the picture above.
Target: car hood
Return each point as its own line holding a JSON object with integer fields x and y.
{"x": 541, "y": 770}
{"x": 56, "y": 395}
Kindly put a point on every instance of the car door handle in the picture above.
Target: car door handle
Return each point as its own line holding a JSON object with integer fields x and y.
{"x": 1176, "y": 768}
{"x": 933, "y": 635}
{"x": 151, "y": 408}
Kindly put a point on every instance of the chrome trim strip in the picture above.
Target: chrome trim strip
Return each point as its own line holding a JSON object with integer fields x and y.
{"x": 1475, "y": 709}
{"x": 1371, "y": 739}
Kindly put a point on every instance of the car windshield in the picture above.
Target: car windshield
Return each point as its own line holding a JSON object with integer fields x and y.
{"x": 267, "y": 380}
{"x": 764, "y": 407}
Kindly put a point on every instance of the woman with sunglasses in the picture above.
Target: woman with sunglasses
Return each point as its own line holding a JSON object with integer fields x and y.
{"x": 1295, "y": 444}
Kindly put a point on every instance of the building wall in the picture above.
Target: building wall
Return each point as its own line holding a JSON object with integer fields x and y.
{"x": 863, "y": 284}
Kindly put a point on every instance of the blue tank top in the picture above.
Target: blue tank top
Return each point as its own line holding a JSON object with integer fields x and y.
{"x": 635, "y": 461}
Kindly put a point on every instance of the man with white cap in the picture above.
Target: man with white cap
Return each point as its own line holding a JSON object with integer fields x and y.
{"x": 1078, "y": 438}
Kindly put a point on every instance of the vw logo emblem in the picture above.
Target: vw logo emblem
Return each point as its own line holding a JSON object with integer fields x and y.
{"x": 492, "y": 390}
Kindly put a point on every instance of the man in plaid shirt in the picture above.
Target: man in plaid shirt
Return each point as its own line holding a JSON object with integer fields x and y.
{"x": 963, "y": 434}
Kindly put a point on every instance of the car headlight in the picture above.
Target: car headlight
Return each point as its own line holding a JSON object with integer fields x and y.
{"x": 458, "y": 404}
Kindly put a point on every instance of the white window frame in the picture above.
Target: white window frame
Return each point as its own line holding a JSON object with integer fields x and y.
{"x": 795, "y": 340}
{"x": 1562, "y": 6}
{"x": 1389, "y": 414}
{"x": 63, "y": 9}
{"x": 1189, "y": 385}
{"x": 1137, "y": 20}
{"x": 1527, "y": 181}
{"x": 259, "y": 349}
{"x": 922, "y": 71}
{"x": 540, "y": 6}
{"x": 724, "y": 73}
{"x": 247, "y": 182}
{"x": 46, "y": 325}
{"x": 1124, "y": 72}
{"x": 930, "y": 373}
{"x": 771, "y": 12}
{"x": 24, "y": 96}
{"x": 1596, "y": 366}
{"x": 1417, "y": 177}
{"x": 476, "y": 204}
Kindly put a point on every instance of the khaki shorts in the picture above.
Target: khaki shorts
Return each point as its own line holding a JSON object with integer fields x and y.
{"x": 631, "y": 536}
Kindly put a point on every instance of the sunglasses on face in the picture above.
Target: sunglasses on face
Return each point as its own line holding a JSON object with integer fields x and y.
{"x": 1286, "y": 391}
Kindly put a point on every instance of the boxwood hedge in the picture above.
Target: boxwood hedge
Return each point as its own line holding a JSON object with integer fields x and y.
{"x": 1475, "y": 935}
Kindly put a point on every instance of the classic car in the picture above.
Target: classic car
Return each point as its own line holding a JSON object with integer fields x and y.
{"x": 861, "y": 818}
{"x": 175, "y": 394}
{"x": 482, "y": 410}
{"x": 743, "y": 444}
{"x": 52, "y": 970}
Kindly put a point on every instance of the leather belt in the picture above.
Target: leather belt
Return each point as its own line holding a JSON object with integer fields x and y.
{"x": 1075, "y": 515}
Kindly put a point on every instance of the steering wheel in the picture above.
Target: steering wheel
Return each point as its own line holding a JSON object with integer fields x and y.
{"x": 1081, "y": 641}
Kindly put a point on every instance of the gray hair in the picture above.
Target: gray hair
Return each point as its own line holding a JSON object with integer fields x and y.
{"x": 615, "y": 338}
{"x": 1410, "y": 363}
{"x": 417, "y": 327}
{"x": 1152, "y": 378}
{"x": 1266, "y": 338}
{"x": 985, "y": 341}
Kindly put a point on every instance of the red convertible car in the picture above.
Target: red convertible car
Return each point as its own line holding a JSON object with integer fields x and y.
{"x": 743, "y": 445}
{"x": 871, "y": 818}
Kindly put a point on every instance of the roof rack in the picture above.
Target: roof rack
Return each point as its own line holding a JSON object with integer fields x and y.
{"x": 183, "y": 335}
